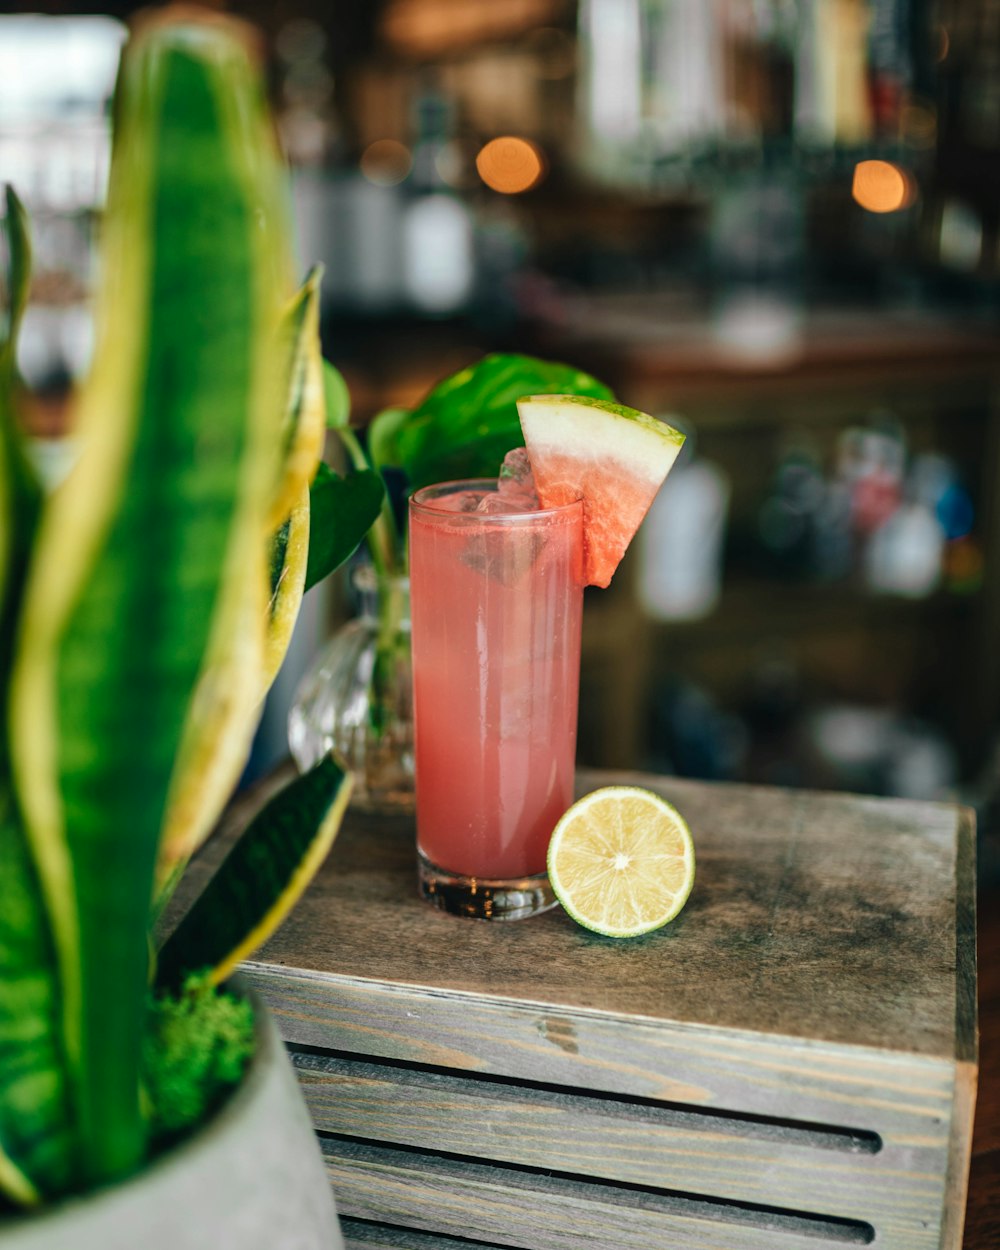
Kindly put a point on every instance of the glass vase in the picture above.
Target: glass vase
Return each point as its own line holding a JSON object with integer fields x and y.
{"x": 357, "y": 697}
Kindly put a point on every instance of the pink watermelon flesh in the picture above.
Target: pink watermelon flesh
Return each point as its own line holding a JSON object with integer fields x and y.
{"x": 614, "y": 504}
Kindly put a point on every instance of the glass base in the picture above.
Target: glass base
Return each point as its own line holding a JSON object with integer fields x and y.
{"x": 484, "y": 898}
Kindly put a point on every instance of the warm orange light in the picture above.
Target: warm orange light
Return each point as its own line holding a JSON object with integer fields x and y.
{"x": 882, "y": 187}
{"x": 386, "y": 162}
{"x": 510, "y": 165}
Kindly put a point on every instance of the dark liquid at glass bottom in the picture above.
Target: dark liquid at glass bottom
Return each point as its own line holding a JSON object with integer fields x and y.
{"x": 483, "y": 898}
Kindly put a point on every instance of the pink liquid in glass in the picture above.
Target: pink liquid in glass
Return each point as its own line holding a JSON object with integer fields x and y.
{"x": 496, "y": 611}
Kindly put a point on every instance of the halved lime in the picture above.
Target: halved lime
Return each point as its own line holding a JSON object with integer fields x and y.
{"x": 621, "y": 861}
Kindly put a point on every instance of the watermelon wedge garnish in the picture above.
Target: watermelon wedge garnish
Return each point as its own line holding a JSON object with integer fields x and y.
{"x": 614, "y": 457}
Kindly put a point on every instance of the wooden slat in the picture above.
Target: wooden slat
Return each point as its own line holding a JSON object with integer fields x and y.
{"x": 457, "y": 1198}
{"x": 806, "y": 1167}
{"x": 905, "y": 1098}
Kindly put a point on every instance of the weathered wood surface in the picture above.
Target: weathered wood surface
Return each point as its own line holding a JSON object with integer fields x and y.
{"x": 820, "y": 984}
{"x": 824, "y": 917}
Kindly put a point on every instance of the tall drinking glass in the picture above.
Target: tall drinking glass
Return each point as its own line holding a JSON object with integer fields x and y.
{"x": 496, "y": 604}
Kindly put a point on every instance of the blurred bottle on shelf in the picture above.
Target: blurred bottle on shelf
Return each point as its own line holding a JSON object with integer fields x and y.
{"x": 833, "y": 105}
{"x": 833, "y": 535}
{"x": 392, "y": 230}
{"x": 306, "y": 119}
{"x": 757, "y": 245}
{"x": 891, "y": 69}
{"x": 928, "y": 540}
{"x": 873, "y": 461}
{"x": 438, "y": 242}
{"x": 681, "y": 540}
{"x": 690, "y": 735}
{"x": 791, "y": 512}
{"x": 904, "y": 554}
{"x": 652, "y": 79}
{"x": 686, "y": 80}
{"x": 879, "y": 750}
{"x": 899, "y": 523}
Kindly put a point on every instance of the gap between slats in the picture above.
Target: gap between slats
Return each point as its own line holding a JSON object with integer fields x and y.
{"x": 772, "y": 1129}
{"x": 442, "y": 1166}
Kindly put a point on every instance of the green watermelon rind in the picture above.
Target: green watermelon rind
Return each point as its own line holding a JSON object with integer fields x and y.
{"x": 660, "y": 428}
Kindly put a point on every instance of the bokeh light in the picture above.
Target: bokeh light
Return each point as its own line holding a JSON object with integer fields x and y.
{"x": 510, "y": 164}
{"x": 386, "y": 162}
{"x": 881, "y": 187}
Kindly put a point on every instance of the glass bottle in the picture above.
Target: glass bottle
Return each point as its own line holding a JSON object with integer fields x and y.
{"x": 357, "y": 698}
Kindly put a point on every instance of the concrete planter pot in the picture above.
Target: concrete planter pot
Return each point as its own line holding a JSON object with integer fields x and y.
{"x": 252, "y": 1179}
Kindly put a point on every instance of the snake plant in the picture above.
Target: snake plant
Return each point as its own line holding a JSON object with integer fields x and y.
{"x": 146, "y": 603}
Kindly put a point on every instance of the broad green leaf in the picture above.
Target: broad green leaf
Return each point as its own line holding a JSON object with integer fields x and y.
{"x": 342, "y": 510}
{"x": 178, "y": 423}
{"x": 383, "y": 437}
{"x": 468, "y": 422}
{"x": 336, "y": 396}
{"x": 261, "y": 878}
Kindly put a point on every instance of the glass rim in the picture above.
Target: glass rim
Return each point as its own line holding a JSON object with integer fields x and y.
{"x": 422, "y": 500}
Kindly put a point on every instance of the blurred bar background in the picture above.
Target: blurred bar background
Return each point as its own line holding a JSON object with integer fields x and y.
{"x": 773, "y": 222}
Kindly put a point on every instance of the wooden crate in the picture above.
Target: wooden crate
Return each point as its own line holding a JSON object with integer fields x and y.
{"x": 790, "y": 1065}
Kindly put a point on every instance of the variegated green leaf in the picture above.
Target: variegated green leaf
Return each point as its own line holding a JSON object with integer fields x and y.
{"x": 255, "y": 633}
{"x": 178, "y": 424}
{"x": 36, "y": 1141}
{"x": 37, "y": 1146}
{"x": 17, "y": 278}
{"x": 303, "y": 424}
{"x": 20, "y": 495}
{"x": 261, "y": 878}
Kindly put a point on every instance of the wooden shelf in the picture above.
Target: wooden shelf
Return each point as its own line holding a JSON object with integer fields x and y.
{"x": 751, "y": 608}
{"x": 649, "y": 348}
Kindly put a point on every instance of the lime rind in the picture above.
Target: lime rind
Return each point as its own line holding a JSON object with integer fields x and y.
{"x": 588, "y": 887}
